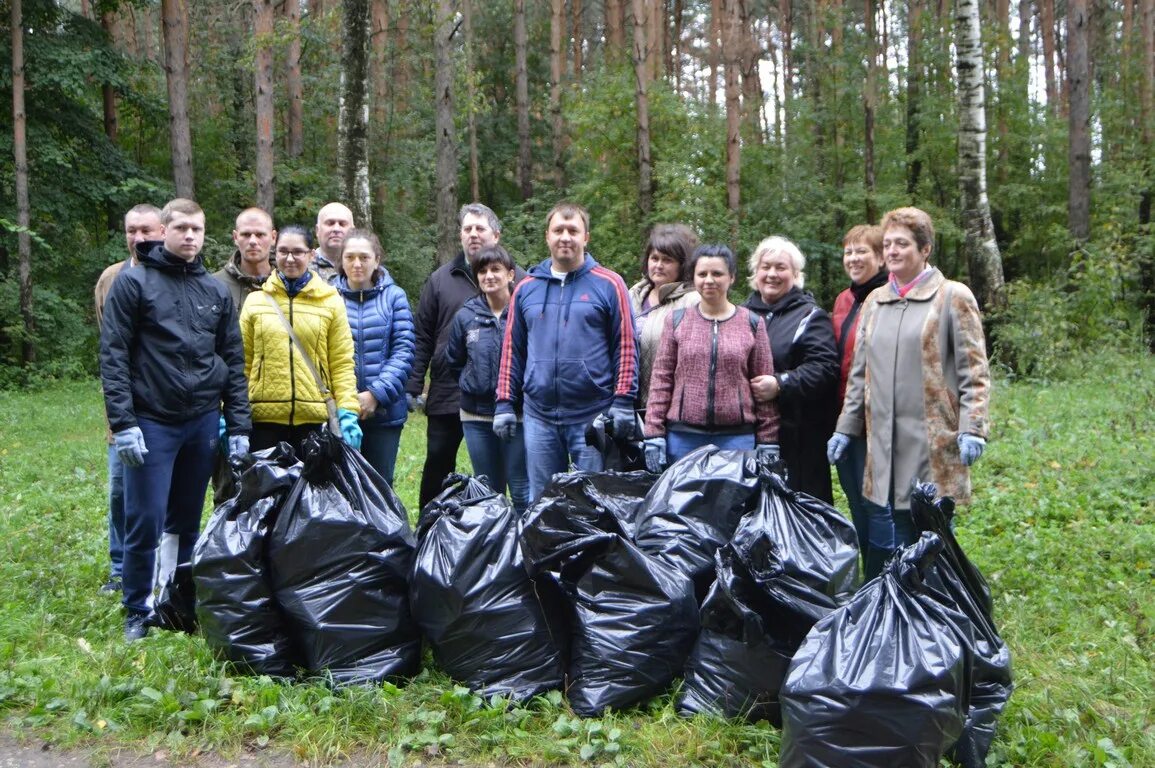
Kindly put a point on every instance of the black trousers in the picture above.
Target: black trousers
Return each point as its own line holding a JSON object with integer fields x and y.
{"x": 267, "y": 434}
{"x": 443, "y": 437}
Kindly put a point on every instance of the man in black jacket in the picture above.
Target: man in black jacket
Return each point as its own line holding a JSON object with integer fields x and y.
{"x": 170, "y": 355}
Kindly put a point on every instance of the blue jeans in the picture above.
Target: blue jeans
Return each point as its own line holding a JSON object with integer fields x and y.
{"x": 501, "y": 461}
{"x": 379, "y": 447}
{"x": 165, "y": 495}
{"x": 679, "y": 443}
{"x": 549, "y": 449}
{"x": 115, "y": 512}
{"x": 850, "y": 468}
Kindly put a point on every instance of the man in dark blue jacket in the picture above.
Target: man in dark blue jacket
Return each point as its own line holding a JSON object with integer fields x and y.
{"x": 568, "y": 354}
{"x": 170, "y": 355}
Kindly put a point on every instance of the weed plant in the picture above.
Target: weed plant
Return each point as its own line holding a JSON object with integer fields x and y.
{"x": 1063, "y": 527}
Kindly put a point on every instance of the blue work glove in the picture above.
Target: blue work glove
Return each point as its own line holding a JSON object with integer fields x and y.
{"x": 623, "y": 419}
{"x": 414, "y": 404}
{"x": 350, "y": 429}
{"x": 655, "y": 450}
{"x": 238, "y": 445}
{"x": 221, "y": 429}
{"x": 970, "y": 448}
{"x": 836, "y": 447}
{"x": 505, "y": 425}
{"x": 130, "y": 446}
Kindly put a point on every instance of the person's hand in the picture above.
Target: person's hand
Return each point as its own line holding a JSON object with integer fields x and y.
{"x": 415, "y": 403}
{"x": 350, "y": 429}
{"x": 970, "y": 448}
{"x": 655, "y": 451}
{"x": 130, "y": 446}
{"x": 624, "y": 422}
{"x": 505, "y": 425}
{"x": 238, "y": 446}
{"x": 767, "y": 454}
{"x": 836, "y": 447}
{"x": 368, "y": 404}
{"x": 764, "y": 388}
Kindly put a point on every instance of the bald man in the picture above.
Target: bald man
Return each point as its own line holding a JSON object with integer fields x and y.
{"x": 247, "y": 269}
{"x": 334, "y": 221}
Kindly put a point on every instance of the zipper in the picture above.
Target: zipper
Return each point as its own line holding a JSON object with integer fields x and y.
{"x": 557, "y": 346}
{"x": 292, "y": 370}
{"x": 713, "y": 374}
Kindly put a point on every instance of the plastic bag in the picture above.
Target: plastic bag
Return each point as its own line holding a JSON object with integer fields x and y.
{"x": 883, "y": 680}
{"x": 473, "y": 599}
{"x": 340, "y": 554}
{"x": 175, "y": 608}
{"x": 632, "y": 618}
{"x": 959, "y": 583}
{"x": 239, "y": 618}
{"x": 617, "y": 455}
{"x": 694, "y": 508}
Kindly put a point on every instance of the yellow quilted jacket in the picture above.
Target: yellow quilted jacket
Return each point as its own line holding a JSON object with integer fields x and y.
{"x": 281, "y": 389}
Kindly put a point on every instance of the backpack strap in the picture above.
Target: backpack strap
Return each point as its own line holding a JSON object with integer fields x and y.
{"x": 677, "y": 317}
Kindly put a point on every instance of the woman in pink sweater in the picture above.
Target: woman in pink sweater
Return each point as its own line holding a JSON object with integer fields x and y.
{"x": 700, "y": 385}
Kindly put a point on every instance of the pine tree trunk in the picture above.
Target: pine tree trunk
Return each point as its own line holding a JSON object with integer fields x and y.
{"x": 263, "y": 82}
{"x": 730, "y": 54}
{"x": 23, "y": 206}
{"x": 615, "y": 30}
{"x": 1079, "y": 132}
{"x": 714, "y": 52}
{"x": 751, "y": 79}
{"x": 869, "y": 99}
{"x": 294, "y": 84}
{"x": 786, "y": 25}
{"x": 678, "y": 48}
{"x": 1147, "y": 138}
{"x": 576, "y": 26}
{"x": 110, "y": 111}
{"x": 446, "y": 149}
{"x": 981, "y": 248}
{"x": 353, "y": 115}
{"x": 174, "y": 14}
{"x": 913, "y": 99}
{"x": 656, "y": 39}
{"x": 1047, "y": 31}
{"x": 556, "y": 71}
{"x": 641, "y": 99}
{"x": 524, "y": 146}
{"x": 1005, "y": 80}
{"x": 379, "y": 125}
{"x": 402, "y": 74}
{"x": 471, "y": 117}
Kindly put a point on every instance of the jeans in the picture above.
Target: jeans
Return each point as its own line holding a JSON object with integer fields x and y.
{"x": 679, "y": 443}
{"x": 165, "y": 495}
{"x": 850, "y": 468}
{"x": 551, "y": 447}
{"x": 379, "y": 447}
{"x": 115, "y": 512}
{"x": 443, "y": 437}
{"x": 887, "y": 530}
{"x": 501, "y": 461}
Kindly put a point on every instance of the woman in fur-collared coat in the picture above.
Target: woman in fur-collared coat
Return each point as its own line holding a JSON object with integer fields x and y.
{"x": 919, "y": 387}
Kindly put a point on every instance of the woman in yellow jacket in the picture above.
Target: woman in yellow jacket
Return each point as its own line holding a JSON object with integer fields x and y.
{"x": 287, "y": 404}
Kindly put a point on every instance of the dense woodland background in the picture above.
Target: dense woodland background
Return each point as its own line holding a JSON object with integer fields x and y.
{"x": 1026, "y": 129}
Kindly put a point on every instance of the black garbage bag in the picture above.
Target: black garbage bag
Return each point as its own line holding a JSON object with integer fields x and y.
{"x": 694, "y": 508}
{"x": 618, "y": 454}
{"x": 737, "y": 666}
{"x": 340, "y": 555}
{"x": 239, "y": 618}
{"x": 473, "y": 599}
{"x": 632, "y": 618}
{"x": 883, "y": 680}
{"x": 958, "y": 583}
{"x": 176, "y": 606}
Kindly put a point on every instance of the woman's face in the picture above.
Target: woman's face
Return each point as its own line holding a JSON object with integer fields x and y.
{"x": 494, "y": 278}
{"x": 901, "y": 252}
{"x": 774, "y": 276}
{"x": 359, "y": 260}
{"x": 662, "y": 269}
{"x": 860, "y": 262}
{"x": 292, "y": 255}
{"x": 712, "y": 279}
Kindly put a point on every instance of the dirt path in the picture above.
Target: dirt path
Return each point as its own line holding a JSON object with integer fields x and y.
{"x": 35, "y": 753}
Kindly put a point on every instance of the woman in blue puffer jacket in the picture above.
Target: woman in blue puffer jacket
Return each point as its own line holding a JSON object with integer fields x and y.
{"x": 384, "y": 341}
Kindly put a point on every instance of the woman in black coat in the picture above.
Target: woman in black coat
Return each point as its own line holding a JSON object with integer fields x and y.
{"x": 805, "y": 379}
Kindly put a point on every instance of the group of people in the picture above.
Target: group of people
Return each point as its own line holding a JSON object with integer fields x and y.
{"x": 290, "y": 336}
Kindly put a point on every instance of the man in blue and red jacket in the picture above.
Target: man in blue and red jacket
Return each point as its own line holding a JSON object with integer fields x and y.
{"x": 568, "y": 354}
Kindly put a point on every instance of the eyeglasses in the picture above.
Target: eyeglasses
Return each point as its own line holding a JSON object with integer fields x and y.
{"x": 296, "y": 253}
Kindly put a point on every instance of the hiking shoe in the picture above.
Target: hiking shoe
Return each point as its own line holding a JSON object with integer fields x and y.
{"x": 135, "y": 627}
{"x": 112, "y": 585}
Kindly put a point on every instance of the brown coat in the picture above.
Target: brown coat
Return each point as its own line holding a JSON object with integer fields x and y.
{"x": 919, "y": 378}
{"x": 649, "y": 324}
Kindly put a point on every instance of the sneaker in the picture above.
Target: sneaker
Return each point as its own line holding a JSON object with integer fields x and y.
{"x": 112, "y": 585}
{"x": 135, "y": 627}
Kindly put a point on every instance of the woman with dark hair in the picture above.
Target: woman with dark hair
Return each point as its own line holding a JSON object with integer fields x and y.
{"x": 383, "y": 340}
{"x": 700, "y": 390}
{"x": 472, "y": 356}
{"x": 665, "y": 286}
{"x": 287, "y": 403}
{"x": 805, "y": 379}
{"x": 919, "y": 387}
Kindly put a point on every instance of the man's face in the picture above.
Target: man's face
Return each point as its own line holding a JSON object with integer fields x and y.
{"x": 139, "y": 227}
{"x": 185, "y": 234}
{"x": 254, "y": 237}
{"x": 476, "y": 234}
{"x": 566, "y": 237}
{"x": 333, "y": 223}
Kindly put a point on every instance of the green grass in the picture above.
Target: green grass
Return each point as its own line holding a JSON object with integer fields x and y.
{"x": 1063, "y": 527}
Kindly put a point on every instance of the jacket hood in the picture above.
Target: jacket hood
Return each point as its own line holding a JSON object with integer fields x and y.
{"x": 384, "y": 280}
{"x": 666, "y": 293}
{"x": 152, "y": 253}
{"x": 543, "y": 271}
{"x": 793, "y": 298}
{"x": 233, "y": 268}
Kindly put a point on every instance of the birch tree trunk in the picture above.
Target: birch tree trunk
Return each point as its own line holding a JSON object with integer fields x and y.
{"x": 556, "y": 72}
{"x": 446, "y": 148}
{"x": 174, "y": 15}
{"x": 23, "y": 207}
{"x": 642, "y": 103}
{"x": 294, "y": 84}
{"x": 263, "y": 83}
{"x": 353, "y": 115}
{"x": 524, "y": 147}
{"x": 1079, "y": 126}
{"x": 470, "y": 115}
{"x": 981, "y": 248}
